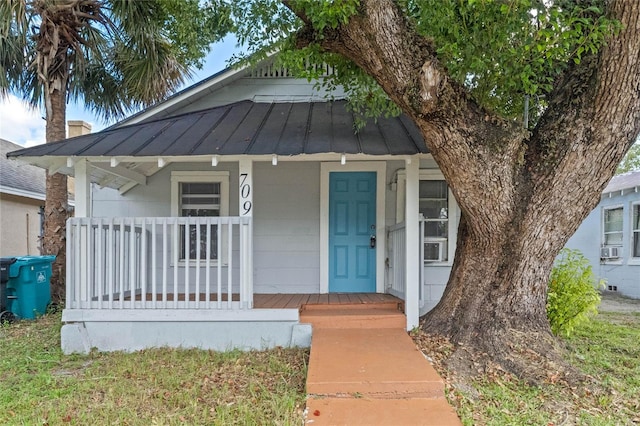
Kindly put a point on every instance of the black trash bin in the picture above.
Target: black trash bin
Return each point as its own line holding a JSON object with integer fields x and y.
{"x": 6, "y": 315}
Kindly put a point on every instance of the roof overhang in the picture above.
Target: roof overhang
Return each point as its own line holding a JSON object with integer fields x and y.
{"x": 124, "y": 157}
{"x": 22, "y": 193}
{"x": 621, "y": 192}
{"x": 623, "y": 184}
{"x": 130, "y": 172}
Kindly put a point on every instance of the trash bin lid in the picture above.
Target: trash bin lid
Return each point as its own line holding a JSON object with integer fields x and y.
{"x": 14, "y": 269}
{"x": 35, "y": 259}
{"x": 5, "y": 263}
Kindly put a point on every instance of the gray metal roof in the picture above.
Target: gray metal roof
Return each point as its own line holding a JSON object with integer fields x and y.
{"x": 21, "y": 177}
{"x": 246, "y": 128}
{"x": 628, "y": 180}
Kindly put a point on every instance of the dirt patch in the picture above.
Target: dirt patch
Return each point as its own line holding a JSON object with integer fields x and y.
{"x": 615, "y": 302}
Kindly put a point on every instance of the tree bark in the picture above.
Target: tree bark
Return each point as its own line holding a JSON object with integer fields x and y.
{"x": 56, "y": 209}
{"x": 56, "y": 43}
{"x": 522, "y": 195}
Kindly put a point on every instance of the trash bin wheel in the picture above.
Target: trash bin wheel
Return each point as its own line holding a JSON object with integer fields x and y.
{"x": 7, "y": 316}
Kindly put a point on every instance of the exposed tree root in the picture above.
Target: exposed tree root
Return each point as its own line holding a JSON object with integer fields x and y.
{"x": 534, "y": 357}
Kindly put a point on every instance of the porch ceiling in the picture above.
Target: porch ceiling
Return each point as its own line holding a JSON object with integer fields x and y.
{"x": 125, "y": 155}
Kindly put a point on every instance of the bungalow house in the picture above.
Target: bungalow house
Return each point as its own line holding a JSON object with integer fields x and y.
{"x": 610, "y": 236}
{"x": 22, "y": 192}
{"x": 209, "y": 219}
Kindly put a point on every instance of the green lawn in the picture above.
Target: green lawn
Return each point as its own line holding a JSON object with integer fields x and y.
{"x": 39, "y": 385}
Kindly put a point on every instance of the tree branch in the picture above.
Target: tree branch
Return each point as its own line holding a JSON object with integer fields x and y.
{"x": 381, "y": 41}
{"x": 298, "y": 12}
{"x": 598, "y": 100}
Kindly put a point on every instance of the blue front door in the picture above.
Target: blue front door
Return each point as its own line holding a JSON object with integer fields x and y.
{"x": 352, "y": 224}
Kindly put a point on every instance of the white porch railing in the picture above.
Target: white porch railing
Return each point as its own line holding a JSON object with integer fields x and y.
{"x": 396, "y": 244}
{"x": 397, "y": 260}
{"x": 159, "y": 263}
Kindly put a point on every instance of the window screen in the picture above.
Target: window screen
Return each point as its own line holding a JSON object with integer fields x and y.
{"x": 635, "y": 229}
{"x": 613, "y": 226}
{"x": 199, "y": 199}
{"x": 434, "y": 207}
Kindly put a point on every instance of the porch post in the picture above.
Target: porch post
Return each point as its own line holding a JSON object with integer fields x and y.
{"x": 412, "y": 230}
{"x": 245, "y": 210}
{"x": 82, "y": 189}
{"x": 78, "y": 257}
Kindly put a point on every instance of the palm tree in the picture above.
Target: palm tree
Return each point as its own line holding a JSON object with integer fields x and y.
{"x": 113, "y": 55}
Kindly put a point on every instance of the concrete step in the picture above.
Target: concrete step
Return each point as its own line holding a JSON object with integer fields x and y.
{"x": 367, "y": 411}
{"x": 349, "y": 317}
{"x": 379, "y": 363}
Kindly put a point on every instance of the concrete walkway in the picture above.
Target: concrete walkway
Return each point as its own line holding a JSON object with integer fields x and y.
{"x": 364, "y": 369}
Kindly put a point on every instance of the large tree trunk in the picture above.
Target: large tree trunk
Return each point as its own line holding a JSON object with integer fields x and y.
{"x": 56, "y": 204}
{"x": 56, "y": 42}
{"x": 522, "y": 194}
{"x": 496, "y": 296}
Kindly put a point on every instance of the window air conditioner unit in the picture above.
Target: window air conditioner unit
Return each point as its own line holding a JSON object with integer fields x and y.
{"x": 610, "y": 252}
{"x": 435, "y": 249}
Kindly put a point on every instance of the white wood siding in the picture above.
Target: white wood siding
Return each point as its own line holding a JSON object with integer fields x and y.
{"x": 259, "y": 90}
{"x": 287, "y": 227}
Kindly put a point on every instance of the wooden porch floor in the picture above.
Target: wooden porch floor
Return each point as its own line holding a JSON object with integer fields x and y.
{"x": 291, "y": 301}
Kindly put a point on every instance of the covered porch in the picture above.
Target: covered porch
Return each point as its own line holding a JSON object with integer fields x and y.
{"x": 113, "y": 264}
{"x": 180, "y": 263}
{"x": 136, "y": 282}
{"x": 151, "y": 261}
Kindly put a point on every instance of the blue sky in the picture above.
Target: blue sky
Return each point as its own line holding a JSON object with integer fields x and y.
{"x": 26, "y": 127}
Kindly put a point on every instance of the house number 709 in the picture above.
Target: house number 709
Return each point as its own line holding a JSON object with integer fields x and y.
{"x": 245, "y": 194}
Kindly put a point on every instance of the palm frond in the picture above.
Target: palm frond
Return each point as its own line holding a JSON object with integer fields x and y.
{"x": 115, "y": 55}
{"x": 14, "y": 45}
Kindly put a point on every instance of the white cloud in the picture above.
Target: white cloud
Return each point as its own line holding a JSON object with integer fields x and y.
{"x": 21, "y": 124}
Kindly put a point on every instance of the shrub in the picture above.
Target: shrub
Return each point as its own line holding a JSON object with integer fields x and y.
{"x": 573, "y": 292}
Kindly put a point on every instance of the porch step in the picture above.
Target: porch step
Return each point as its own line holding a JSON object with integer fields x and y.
{"x": 349, "y": 317}
{"x": 391, "y": 306}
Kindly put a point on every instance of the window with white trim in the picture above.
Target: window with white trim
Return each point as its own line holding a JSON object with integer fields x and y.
{"x": 438, "y": 209}
{"x": 199, "y": 194}
{"x": 612, "y": 226}
{"x": 434, "y": 209}
{"x": 635, "y": 230}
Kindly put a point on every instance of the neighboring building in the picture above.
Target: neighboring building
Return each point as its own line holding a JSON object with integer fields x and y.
{"x": 209, "y": 219}
{"x": 22, "y": 192}
{"x": 22, "y": 197}
{"x": 610, "y": 236}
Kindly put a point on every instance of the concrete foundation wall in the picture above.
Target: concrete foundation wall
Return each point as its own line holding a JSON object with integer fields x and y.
{"x": 221, "y": 331}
